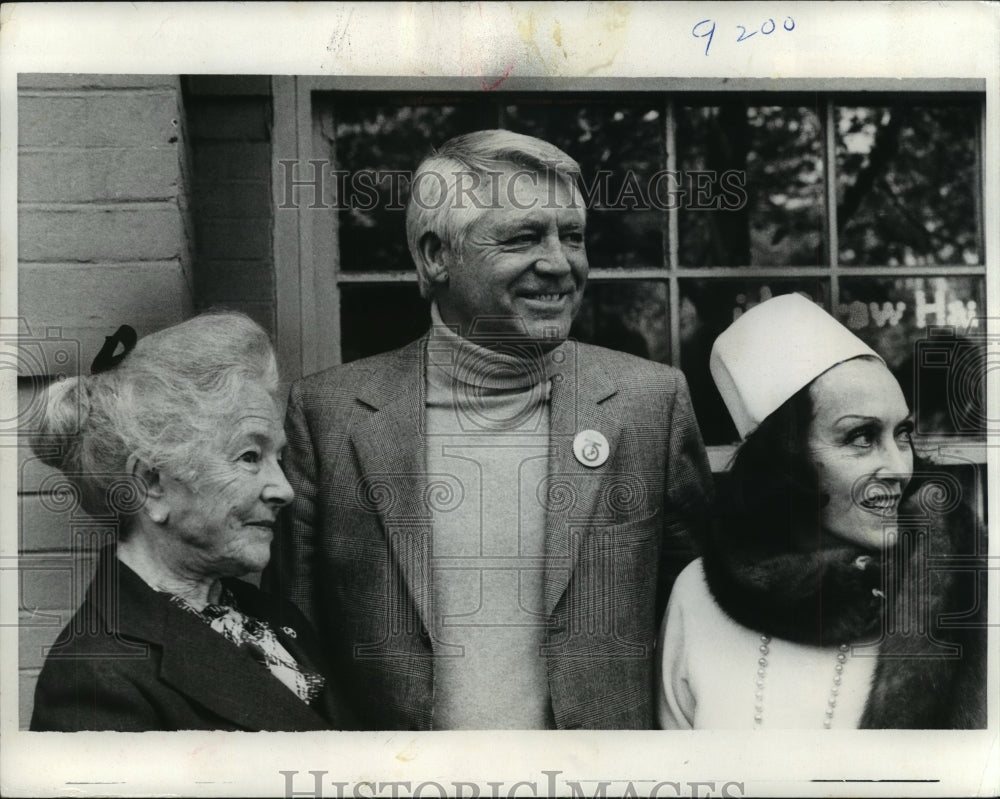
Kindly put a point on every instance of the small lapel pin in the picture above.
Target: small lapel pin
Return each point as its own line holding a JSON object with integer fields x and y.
{"x": 289, "y": 632}
{"x": 591, "y": 448}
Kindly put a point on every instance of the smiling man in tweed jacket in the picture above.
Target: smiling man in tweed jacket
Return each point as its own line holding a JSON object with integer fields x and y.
{"x": 488, "y": 521}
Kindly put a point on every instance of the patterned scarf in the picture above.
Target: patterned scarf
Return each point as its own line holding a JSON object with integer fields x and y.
{"x": 259, "y": 639}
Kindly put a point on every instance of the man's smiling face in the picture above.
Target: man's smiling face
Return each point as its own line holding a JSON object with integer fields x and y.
{"x": 522, "y": 262}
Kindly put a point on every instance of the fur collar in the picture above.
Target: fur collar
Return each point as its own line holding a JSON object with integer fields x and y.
{"x": 828, "y": 597}
{"x": 928, "y": 675}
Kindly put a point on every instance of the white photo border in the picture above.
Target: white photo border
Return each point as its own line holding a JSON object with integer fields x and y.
{"x": 488, "y": 40}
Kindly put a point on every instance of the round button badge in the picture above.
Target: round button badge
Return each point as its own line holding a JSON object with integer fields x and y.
{"x": 591, "y": 448}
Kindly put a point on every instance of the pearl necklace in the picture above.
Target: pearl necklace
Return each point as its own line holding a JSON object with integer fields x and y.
{"x": 831, "y": 702}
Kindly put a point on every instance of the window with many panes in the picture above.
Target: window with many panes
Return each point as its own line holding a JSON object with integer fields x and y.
{"x": 702, "y": 204}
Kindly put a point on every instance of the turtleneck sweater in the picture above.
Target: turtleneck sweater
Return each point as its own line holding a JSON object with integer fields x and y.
{"x": 487, "y": 434}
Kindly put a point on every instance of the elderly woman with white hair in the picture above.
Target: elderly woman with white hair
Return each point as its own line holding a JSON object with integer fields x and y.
{"x": 167, "y": 638}
{"x": 814, "y": 605}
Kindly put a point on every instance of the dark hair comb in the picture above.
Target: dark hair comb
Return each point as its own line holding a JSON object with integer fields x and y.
{"x": 107, "y": 359}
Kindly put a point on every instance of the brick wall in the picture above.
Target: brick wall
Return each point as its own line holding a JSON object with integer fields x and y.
{"x": 230, "y": 138}
{"x": 104, "y": 238}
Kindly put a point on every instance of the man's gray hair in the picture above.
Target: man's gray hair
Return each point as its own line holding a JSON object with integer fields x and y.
{"x": 435, "y": 206}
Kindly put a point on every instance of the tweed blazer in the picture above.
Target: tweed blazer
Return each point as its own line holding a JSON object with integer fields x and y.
{"x": 132, "y": 661}
{"x": 354, "y": 552}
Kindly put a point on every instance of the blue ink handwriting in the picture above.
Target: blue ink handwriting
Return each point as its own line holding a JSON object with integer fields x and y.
{"x": 706, "y": 30}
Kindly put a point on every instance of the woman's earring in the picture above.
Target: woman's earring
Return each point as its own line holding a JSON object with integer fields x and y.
{"x": 157, "y": 516}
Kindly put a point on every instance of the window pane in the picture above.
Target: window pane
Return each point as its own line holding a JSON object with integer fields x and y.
{"x": 707, "y": 307}
{"x": 629, "y": 317}
{"x": 907, "y": 185}
{"x": 620, "y": 149}
{"x": 942, "y": 370}
{"x": 372, "y": 136}
{"x": 380, "y": 317}
{"x": 761, "y": 167}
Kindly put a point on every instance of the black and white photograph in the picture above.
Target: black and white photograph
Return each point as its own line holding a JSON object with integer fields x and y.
{"x": 481, "y": 399}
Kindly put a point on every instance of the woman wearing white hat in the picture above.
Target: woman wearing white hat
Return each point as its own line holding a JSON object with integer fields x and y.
{"x": 812, "y": 606}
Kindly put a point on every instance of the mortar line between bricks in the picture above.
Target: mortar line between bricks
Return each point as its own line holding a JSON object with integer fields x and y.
{"x": 47, "y": 149}
{"x": 158, "y": 263}
{"x": 96, "y": 92}
{"x": 76, "y": 206}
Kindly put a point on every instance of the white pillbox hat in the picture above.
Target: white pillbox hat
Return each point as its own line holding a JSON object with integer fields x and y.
{"x": 772, "y": 351}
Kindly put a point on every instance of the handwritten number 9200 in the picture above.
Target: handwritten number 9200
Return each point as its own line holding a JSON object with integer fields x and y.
{"x": 705, "y": 29}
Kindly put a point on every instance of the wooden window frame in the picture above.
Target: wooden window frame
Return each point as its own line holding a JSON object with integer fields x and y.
{"x": 306, "y": 255}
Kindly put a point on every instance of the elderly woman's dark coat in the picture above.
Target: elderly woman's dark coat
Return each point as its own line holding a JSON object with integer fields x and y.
{"x": 131, "y": 660}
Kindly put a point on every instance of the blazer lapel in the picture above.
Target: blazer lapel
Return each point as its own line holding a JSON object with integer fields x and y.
{"x": 203, "y": 665}
{"x": 260, "y": 606}
{"x": 296, "y": 637}
{"x": 391, "y": 449}
{"x": 575, "y": 408}
{"x": 226, "y": 679}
